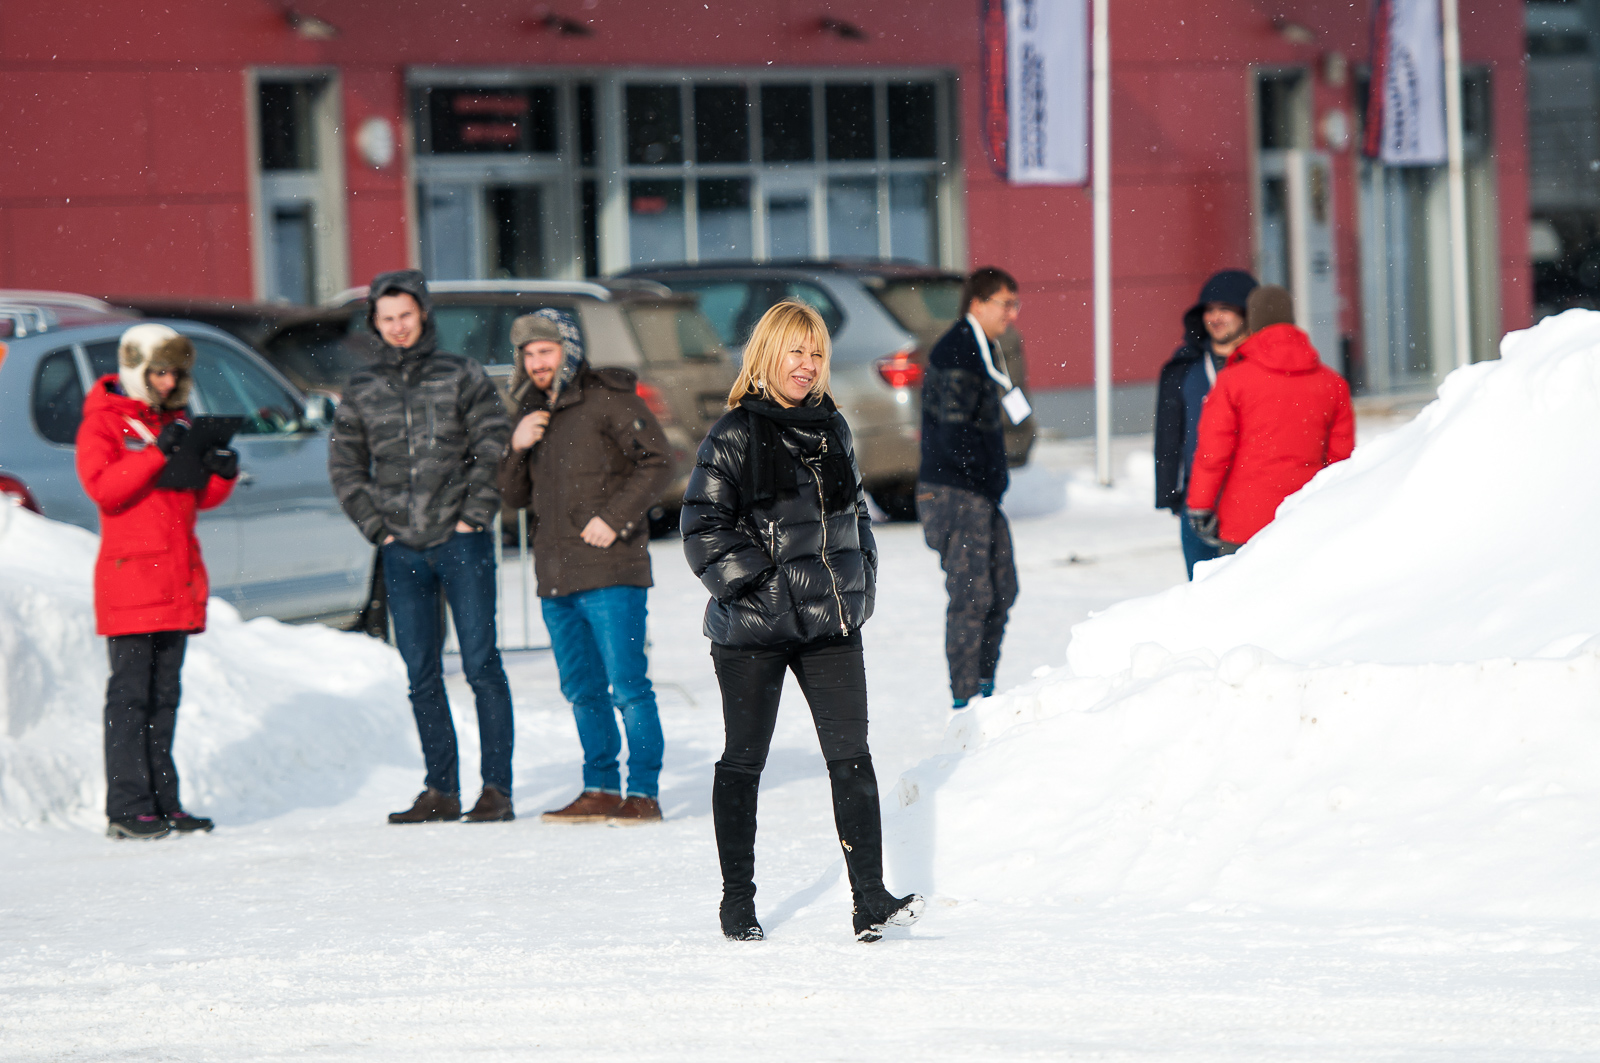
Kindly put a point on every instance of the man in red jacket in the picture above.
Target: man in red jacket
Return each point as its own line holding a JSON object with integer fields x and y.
{"x": 150, "y": 585}
{"x": 1275, "y": 417}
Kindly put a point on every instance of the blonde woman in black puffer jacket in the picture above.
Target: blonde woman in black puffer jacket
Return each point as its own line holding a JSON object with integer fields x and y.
{"x": 775, "y": 525}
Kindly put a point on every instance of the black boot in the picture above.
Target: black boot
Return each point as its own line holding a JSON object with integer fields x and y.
{"x": 733, "y": 811}
{"x": 860, "y": 823}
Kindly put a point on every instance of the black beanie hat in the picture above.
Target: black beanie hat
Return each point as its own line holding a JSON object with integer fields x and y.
{"x": 1231, "y": 287}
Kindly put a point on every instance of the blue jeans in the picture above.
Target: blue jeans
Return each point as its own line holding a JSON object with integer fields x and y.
{"x": 463, "y": 567}
{"x": 1195, "y": 549}
{"x": 598, "y": 639}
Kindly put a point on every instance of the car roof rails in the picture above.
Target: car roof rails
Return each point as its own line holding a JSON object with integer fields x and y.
{"x": 25, "y": 320}
{"x": 497, "y": 287}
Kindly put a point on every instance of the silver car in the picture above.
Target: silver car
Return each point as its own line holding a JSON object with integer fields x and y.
{"x": 280, "y": 546}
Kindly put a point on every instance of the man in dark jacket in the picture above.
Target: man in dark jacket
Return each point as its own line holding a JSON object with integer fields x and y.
{"x": 588, "y": 459}
{"x": 1213, "y": 328}
{"x": 963, "y": 476}
{"x": 415, "y": 445}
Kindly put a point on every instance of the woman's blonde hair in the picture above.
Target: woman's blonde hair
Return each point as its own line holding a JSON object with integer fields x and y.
{"x": 782, "y": 326}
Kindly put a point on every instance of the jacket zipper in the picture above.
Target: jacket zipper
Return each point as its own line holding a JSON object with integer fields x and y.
{"x": 772, "y": 540}
{"x": 822, "y": 508}
{"x": 411, "y": 454}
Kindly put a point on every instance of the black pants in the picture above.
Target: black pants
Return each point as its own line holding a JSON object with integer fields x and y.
{"x": 141, "y": 716}
{"x": 973, "y": 541}
{"x": 832, "y": 677}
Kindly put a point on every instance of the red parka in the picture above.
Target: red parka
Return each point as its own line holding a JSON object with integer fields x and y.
{"x": 149, "y": 575}
{"x": 1275, "y": 417}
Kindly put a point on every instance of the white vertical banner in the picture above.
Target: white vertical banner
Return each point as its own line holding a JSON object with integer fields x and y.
{"x": 1047, "y": 91}
{"x": 1413, "y": 87}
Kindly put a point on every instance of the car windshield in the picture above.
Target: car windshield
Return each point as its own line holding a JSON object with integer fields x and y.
{"x": 671, "y": 332}
{"x": 924, "y": 306}
{"x": 320, "y": 355}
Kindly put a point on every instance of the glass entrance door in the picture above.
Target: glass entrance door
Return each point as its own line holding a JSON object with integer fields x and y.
{"x": 492, "y": 230}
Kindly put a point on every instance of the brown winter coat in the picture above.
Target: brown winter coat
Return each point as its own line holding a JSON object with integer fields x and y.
{"x": 603, "y": 455}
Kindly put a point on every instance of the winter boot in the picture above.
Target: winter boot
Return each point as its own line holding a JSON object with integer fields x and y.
{"x": 733, "y": 811}
{"x": 142, "y": 827}
{"x": 431, "y": 806}
{"x": 184, "y": 823}
{"x": 860, "y": 823}
{"x": 492, "y": 807}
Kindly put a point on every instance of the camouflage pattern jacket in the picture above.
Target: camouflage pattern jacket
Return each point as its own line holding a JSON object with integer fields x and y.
{"x": 416, "y": 441}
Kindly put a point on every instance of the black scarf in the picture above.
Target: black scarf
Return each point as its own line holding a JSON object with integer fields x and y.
{"x": 769, "y": 470}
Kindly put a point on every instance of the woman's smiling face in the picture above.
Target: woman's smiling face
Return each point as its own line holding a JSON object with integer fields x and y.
{"x": 798, "y": 369}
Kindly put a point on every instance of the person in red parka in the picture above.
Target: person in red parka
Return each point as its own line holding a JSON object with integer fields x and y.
{"x": 150, "y": 585}
{"x": 1275, "y": 417}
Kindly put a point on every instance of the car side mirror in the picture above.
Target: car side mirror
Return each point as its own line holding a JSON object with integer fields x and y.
{"x": 319, "y": 410}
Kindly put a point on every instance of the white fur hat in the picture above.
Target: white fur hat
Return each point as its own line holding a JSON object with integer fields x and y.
{"x": 155, "y": 348}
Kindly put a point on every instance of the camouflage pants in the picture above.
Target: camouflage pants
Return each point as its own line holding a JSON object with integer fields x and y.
{"x": 973, "y": 541}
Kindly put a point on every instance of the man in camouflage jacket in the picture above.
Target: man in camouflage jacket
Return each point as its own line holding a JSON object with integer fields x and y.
{"x": 416, "y": 441}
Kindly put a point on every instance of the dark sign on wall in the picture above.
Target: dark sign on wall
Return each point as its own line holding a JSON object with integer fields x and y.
{"x": 518, "y": 121}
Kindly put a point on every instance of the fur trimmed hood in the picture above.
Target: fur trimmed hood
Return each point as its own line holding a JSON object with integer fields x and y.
{"x": 153, "y": 348}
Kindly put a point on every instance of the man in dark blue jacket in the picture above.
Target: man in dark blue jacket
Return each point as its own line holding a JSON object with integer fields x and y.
{"x": 1212, "y": 329}
{"x": 965, "y": 393}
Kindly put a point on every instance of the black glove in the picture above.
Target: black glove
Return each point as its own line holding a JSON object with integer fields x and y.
{"x": 222, "y": 461}
{"x": 1204, "y": 523}
{"x": 171, "y": 437}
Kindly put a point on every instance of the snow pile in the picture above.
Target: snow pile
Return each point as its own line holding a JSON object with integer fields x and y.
{"x": 273, "y": 716}
{"x": 1390, "y": 700}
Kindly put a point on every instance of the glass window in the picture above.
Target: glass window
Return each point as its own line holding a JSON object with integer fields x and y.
{"x": 724, "y": 224}
{"x": 786, "y": 123}
{"x": 911, "y": 218}
{"x": 655, "y": 124}
{"x": 852, "y": 122}
{"x": 816, "y": 298}
{"x": 591, "y": 227}
{"x": 788, "y": 224}
{"x": 726, "y": 305}
{"x": 320, "y": 354}
{"x": 288, "y": 134}
{"x": 586, "y": 142}
{"x": 58, "y": 397}
{"x": 925, "y": 308}
{"x": 853, "y": 217}
{"x": 230, "y": 385}
{"x": 486, "y": 120}
{"x": 673, "y": 332}
{"x": 655, "y": 222}
{"x": 913, "y": 122}
{"x": 472, "y": 331}
{"x": 515, "y": 219}
{"x": 102, "y": 358}
{"x": 721, "y": 123}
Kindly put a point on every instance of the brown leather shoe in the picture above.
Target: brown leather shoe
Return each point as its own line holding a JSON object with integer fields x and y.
{"x": 634, "y": 811}
{"x": 431, "y": 806}
{"x": 592, "y": 806}
{"x": 492, "y": 807}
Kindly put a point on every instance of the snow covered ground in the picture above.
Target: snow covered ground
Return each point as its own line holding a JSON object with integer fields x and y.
{"x": 1198, "y": 854}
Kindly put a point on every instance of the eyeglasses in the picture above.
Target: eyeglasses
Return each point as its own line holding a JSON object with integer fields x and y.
{"x": 1012, "y": 305}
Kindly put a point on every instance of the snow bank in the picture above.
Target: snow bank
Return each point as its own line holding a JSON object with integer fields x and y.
{"x": 273, "y": 716}
{"x": 1390, "y": 700}
{"x": 1469, "y": 534}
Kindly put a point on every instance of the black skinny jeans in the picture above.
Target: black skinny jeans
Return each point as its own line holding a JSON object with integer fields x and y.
{"x": 832, "y": 677}
{"x": 141, "y": 716}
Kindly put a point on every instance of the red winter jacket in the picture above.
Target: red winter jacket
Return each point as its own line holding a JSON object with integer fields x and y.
{"x": 149, "y": 575}
{"x": 1275, "y": 417}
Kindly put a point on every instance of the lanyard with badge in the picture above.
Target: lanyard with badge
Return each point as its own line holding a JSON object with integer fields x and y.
{"x": 1012, "y": 400}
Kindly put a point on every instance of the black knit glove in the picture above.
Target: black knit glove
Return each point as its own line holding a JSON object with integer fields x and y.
{"x": 171, "y": 437}
{"x": 1204, "y": 523}
{"x": 222, "y": 461}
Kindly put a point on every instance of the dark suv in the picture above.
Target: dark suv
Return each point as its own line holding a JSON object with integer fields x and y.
{"x": 884, "y": 318}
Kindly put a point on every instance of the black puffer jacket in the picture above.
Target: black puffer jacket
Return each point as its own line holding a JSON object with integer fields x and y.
{"x": 790, "y": 570}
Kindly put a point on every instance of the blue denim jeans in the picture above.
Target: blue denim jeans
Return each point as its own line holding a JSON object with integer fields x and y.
{"x": 598, "y": 639}
{"x": 463, "y": 567}
{"x": 1195, "y": 549}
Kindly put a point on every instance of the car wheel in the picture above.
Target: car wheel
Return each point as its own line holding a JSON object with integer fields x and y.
{"x": 663, "y": 521}
{"x": 897, "y": 500}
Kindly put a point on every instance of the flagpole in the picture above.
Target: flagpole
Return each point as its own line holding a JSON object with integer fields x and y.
{"x": 1102, "y": 241}
{"x": 1456, "y": 180}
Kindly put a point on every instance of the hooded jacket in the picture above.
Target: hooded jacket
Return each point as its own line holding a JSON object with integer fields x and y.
{"x": 786, "y": 570}
{"x": 603, "y": 455}
{"x": 1276, "y": 416}
{"x": 149, "y": 575}
{"x": 1184, "y": 383}
{"x": 963, "y": 437}
{"x": 417, "y": 437}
